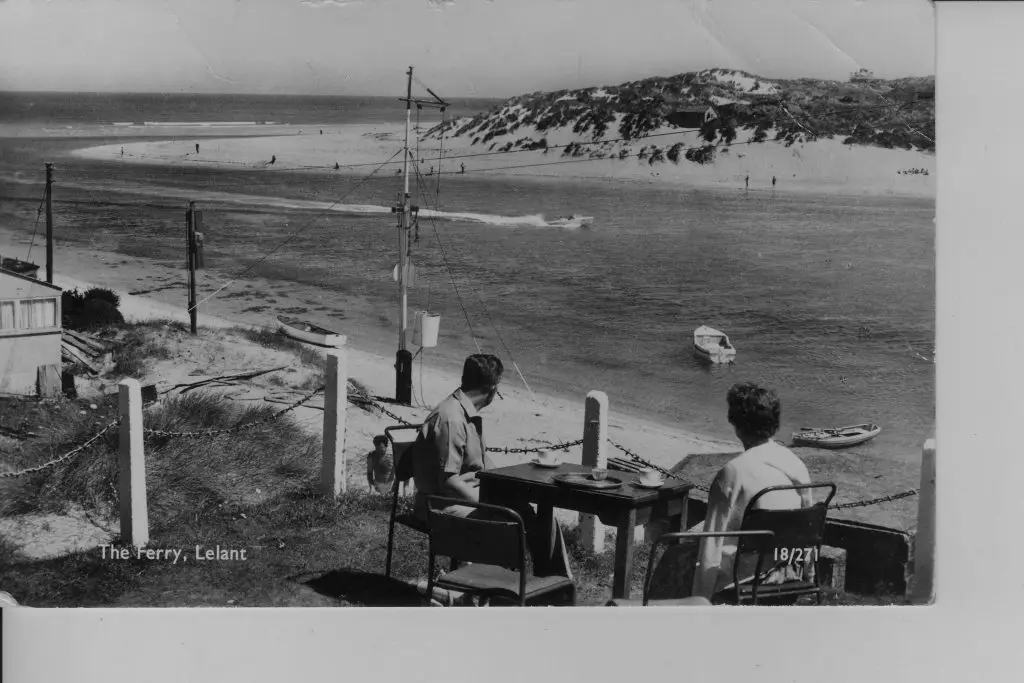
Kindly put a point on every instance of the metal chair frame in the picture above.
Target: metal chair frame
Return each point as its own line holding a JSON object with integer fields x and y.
{"x": 482, "y": 546}
{"x": 799, "y": 528}
{"x": 760, "y": 541}
{"x": 409, "y": 521}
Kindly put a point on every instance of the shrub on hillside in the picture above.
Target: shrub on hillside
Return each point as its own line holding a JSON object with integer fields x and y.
{"x": 96, "y": 307}
{"x": 673, "y": 152}
{"x": 701, "y": 155}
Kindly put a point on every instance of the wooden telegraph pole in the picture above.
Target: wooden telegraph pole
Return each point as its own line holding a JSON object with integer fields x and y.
{"x": 192, "y": 218}
{"x": 49, "y": 223}
{"x": 403, "y": 359}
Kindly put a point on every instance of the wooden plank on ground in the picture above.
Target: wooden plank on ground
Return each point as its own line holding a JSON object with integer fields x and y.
{"x": 78, "y": 356}
{"x": 95, "y": 345}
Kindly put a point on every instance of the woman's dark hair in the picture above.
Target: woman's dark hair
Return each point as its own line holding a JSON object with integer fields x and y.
{"x": 754, "y": 410}
{"x": 379, "y": 439}
{"x": 482, "y": 372}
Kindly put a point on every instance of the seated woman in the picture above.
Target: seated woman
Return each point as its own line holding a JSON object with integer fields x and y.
{"x": 706, "y": 570}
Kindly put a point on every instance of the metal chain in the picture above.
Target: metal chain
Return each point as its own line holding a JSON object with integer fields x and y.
{"x": 841, "y": 506}
{"x": 66, "y": 456}
{"x": 237, "y": 428}
{"x": 640, "y": 461}
{"x": 551, "y": 447}
{"x": 874, "y": 501}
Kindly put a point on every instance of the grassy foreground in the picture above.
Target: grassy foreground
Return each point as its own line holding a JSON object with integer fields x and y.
{"x": 253, "y": 490}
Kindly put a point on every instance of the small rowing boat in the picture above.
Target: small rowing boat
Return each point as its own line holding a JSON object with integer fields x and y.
{"x": 712, "y": 345}
{"x": 308, "y": 332}
{"x": 838, "y": 437}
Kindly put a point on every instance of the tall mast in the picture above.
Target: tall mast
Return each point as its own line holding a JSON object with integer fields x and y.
{"x": 403, "y": 360}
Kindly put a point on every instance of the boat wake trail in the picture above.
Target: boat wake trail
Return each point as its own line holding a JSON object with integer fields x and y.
{"x": 249, "y": 201}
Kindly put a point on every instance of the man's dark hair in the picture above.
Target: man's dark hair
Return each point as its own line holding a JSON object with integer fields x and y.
{"x": 379, "y": 439}
{"x": 482, "y": 372}
{"x": 754, "y": 410}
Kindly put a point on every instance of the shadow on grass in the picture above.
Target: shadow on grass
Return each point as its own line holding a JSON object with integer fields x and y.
{"x": 363, "y": 589}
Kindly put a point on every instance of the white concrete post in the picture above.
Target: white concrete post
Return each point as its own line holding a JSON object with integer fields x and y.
{"x": 924, "y": 539}
{"x": 595, "y": 454}
{"x": 332, "y": 471}
{"x": 132, "y": 465}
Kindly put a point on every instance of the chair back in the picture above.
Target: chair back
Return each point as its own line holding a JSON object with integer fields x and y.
{"x": 402, "y": 438}
{"x": 798, "y": 528}
{"x": 494, "y": 535}
{"x": 671, "y": 575}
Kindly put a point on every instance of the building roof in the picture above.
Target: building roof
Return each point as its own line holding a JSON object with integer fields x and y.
{"x": 4, "y": 273}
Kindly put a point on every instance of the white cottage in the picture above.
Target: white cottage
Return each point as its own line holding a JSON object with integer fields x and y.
{"x": 30, "y": 331}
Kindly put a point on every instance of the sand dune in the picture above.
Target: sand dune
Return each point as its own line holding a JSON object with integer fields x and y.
{"x": 826, "y": 165}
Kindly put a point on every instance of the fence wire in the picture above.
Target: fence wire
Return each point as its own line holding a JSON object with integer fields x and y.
{"x": 67, "y": 456}
{"x": 375, "y": 402}
{"x": 835, "y": 506}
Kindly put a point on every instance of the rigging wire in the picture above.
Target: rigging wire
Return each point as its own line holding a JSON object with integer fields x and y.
{"x": 451, "y": 275}
{"x": 39, "y": 213}
{"x": 482, "y": 304}
{"x": 294, "y": 234}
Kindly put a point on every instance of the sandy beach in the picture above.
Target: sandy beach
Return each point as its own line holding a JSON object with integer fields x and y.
{"x": 825, "y": 165}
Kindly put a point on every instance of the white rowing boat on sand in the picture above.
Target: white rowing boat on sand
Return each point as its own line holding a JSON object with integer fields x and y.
{"x": 712, "y": 345}
{"x": 308, "y": 332}
{"x": 838, "y": 437}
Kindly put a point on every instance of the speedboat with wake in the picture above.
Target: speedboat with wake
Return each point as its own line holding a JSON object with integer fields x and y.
{"x": 571, "y": 221}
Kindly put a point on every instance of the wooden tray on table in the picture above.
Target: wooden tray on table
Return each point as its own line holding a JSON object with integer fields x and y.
{"x": 584, "y": 481}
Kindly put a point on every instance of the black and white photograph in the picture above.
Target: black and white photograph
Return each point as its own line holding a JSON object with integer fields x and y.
{"x": 468, "y": 303}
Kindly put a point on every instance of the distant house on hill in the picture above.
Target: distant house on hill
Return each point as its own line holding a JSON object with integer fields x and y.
{"x": 30, "y": 331}
{"x": 691, "y": 117}
{"x": 762, "y": 98}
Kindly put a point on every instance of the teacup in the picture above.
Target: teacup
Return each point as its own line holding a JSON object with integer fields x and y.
{"x": 598, "y": 474}
{"x": 546, "y": 458}
{"x": 651, "y": 477}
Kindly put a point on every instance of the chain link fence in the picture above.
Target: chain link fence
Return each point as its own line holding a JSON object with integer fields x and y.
{"x": 634, "y": 458}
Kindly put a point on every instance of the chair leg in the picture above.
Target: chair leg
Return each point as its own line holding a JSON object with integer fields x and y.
{"x": 391, "y": 541}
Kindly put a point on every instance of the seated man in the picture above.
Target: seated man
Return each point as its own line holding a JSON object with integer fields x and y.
{"x": 705, "y": 568}
{"x": 454, "y": 435}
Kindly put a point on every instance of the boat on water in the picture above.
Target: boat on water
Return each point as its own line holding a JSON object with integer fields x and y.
{"x": 572, "y": 221}
{"x": 838, "y": 437}
{"x": 712, "y": 345}
{"x": 308, "y": 332}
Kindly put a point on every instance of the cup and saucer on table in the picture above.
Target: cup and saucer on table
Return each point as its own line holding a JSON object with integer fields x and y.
{"x": 649, "y": 479}
{"x": 546, "y": 459}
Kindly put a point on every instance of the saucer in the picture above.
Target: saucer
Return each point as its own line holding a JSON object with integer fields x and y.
{"x": 550, "y": 465}
{"x": 645, "y": 485}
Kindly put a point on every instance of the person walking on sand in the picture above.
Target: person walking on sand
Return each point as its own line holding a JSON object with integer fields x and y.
{"x": 453, "y": 451}
{"x": 273, "y": 158}
{"x": 197, "y": 148}
{"x": 122, "y": 150}
{"x": 773, "y": 182}
{"x": 747, "y": 182}
{"x": 462, "y": 167}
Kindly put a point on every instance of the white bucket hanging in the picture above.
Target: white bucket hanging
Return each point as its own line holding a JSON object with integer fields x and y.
{"x": 424, "y": 333}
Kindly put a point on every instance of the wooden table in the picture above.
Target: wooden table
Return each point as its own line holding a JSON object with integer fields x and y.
{"x": 623, "y": 508}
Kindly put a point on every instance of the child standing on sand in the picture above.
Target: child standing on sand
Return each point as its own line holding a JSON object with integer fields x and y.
{"x": 380, "y": 470}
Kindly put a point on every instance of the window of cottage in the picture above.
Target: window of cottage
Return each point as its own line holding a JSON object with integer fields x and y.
{"x": 8, "y": 310}
{"x": 38, "y": 313}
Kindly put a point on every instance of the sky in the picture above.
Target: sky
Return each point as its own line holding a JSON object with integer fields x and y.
{"x": 460, "y": 48}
